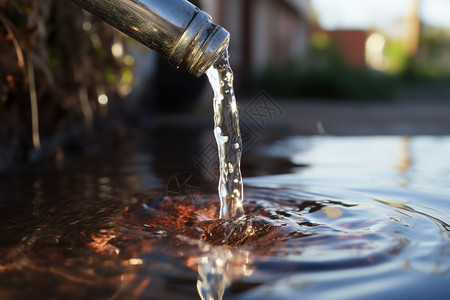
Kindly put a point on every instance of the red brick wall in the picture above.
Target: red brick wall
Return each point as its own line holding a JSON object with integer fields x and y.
{"x": 351, "y": 45}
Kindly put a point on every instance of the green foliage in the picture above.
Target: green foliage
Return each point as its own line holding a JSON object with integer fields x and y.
{"x": 324, "y": 75}
{"x": 395, "y": 52}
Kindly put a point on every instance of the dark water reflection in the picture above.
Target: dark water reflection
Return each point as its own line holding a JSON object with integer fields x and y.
{"x": 327, "y": 218}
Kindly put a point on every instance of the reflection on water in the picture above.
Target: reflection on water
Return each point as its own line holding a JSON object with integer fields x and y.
{"x": 218, "y": 268}
{"x": 332, "y": 218}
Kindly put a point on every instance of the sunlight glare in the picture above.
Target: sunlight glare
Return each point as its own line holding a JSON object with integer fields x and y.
{"x": 382, "y": 14}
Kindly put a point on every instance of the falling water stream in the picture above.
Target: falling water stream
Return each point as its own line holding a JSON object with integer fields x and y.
{"x": 228, "y": 138}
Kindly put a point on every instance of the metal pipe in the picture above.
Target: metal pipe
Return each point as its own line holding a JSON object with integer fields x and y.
{"x": 178, "y": 30}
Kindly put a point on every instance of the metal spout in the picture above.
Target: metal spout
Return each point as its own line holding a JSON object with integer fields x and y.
{"x": 176, "y": 29}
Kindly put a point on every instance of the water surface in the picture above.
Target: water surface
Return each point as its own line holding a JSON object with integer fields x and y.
{"x": 326, "y": 218}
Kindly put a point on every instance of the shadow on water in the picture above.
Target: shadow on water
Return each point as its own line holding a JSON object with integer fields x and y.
{"x": 106, "y": 227}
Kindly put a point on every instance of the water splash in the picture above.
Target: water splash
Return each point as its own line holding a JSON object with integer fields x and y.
{"x": 228, "y": 137}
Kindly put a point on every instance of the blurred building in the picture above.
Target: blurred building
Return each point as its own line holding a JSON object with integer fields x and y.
{"x": 351, "y": 45}
{"x": 263, "y": 32}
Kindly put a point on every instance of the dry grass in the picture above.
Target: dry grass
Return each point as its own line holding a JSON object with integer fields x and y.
{"x": 55, "y": 59}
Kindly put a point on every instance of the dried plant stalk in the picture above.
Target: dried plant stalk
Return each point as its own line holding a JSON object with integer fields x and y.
{"x": 58, "y": 39}
{"x": 34, "y": 104}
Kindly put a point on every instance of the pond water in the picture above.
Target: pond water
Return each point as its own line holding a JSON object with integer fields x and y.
{"x": 326, "y": 218}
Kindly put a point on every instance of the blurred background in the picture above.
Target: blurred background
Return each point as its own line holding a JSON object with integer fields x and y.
{"x": 338, "y": 49}
{"x": 340, "y": 67}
